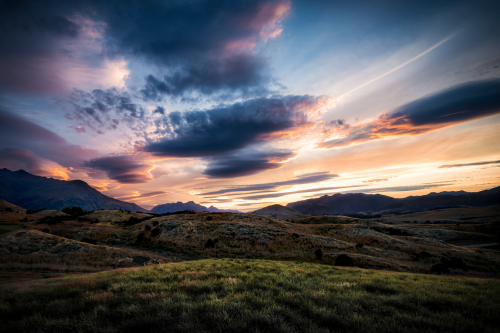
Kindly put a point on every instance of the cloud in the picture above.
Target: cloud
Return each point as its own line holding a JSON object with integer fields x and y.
{"x": 468, "y": 164}
{"x": 144, "y": 195}
{"x": 240, "y": 74}
{"x": 106, "y": 109}
{"x": 465, "y": 102}
{"x": 219, "y": 37}
{"x": 300, "y": 180}
{"x": 225, "y": 129}
{"x": 124, "y": 169}
{"x": 15, "y": 159}
{"x": 245, "y": 163}
{"x": 19, "y": 133}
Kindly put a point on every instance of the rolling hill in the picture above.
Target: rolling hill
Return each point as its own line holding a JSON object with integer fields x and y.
{"x": 34, "y": 192}
{"x": 279, "y": 212}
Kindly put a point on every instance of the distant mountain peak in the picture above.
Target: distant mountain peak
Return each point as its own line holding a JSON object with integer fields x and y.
{"x": 190, "y": 205}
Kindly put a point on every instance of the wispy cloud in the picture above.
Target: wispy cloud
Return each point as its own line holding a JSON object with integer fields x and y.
{"x": 465, "y": 102}
{"x": 300, "y": 180}
{"x": 468, "y": 164}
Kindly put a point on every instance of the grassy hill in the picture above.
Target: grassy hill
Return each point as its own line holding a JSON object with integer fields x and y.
{"x": 280, "y": 212}
{"x": 233, "y": 295}
{"x": 4, "y": 205}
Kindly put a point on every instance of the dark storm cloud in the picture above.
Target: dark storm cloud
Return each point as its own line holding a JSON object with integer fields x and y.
{"x": 106, "y": 109}
{"x": 124, "y": 169}
{"x": 245, "y": 163}
{"x": 465, "y": 102}
{"x": 241, "y": 74}
{"x": 216, "y": 35}
{"x": 225, "y": 129}
{"x": 468, "y": 164}
{"x": 300, "y": 180}
{"x": 21, "y": 134}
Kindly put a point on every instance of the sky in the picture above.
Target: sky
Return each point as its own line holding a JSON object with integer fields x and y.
{"x": 243, "y": 104}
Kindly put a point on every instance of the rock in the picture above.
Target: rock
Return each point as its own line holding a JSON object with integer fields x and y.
{"x": 319, "y": 254}
{"x": 343, "y": 260}
{"x": 440, "y": 269}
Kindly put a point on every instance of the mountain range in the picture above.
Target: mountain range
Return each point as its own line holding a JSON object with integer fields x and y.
{"x": 190, "y": 205}
{"x": 34, "y": 192}
{"x": 356, "y": 203}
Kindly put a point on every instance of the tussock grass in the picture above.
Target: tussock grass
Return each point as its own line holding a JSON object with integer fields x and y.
{"x": 236, "y": 295}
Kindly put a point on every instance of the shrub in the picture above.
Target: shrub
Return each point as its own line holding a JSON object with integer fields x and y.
{"x": 359, "y": 245}
{"x": 343, "y": 260}
{"x": 155, "y": 223}
{"x": 209, "y": 218}
{"x": 155, "y": 232}
{"x": 440, "y": 269}
{"x": 140, "y": 238}
{"x": 319, "y": 254}
{"x": 147, "y": 227}
{"x": 74, "y": 211}
{"x": 209, "y": 243}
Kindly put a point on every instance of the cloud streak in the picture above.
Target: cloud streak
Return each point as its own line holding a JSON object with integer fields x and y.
{"x": 300, "y": 180}
{"x": 446, "y": 166}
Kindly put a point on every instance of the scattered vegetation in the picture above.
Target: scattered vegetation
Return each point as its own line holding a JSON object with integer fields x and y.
{"x": 6, "y": 228}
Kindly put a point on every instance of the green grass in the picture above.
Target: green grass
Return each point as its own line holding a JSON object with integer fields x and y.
{"x": 232, "y": 295}
{"x": 5, "y": 228}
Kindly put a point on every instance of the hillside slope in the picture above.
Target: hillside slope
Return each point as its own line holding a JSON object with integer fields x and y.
{"x": 34, "y": 192}
{"x": 279, "y": 212}
{"x": 4, "y": 205}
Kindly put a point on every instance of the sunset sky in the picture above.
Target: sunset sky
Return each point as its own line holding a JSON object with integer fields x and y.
{"x": 242, "y": 104}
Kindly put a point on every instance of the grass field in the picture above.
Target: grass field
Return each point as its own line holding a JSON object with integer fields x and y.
{"x": 236, "y": 295}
